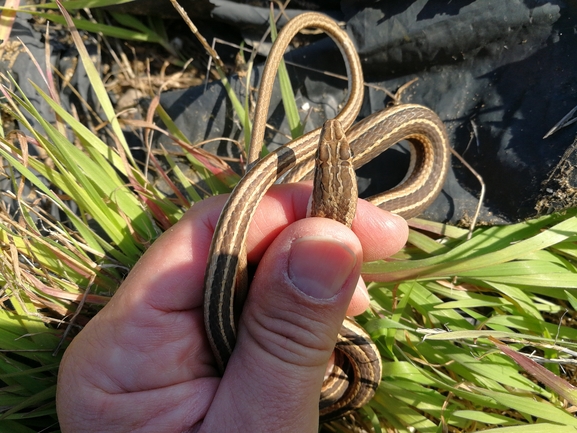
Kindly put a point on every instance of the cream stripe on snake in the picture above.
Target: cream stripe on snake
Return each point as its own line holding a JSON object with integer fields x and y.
{"x": 226, "y": 281}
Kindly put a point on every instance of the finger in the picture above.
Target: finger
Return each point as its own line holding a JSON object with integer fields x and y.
{"x": 381, "y": 233}
{"x": 175, "y": 264}
{"x": 360, "y": 300}
{"x": 288, "y": 329}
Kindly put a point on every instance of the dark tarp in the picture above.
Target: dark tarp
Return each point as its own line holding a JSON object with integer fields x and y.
{"x": 500, "y": 74}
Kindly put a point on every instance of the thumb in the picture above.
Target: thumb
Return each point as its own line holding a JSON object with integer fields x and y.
{"x": 288, "y": 328}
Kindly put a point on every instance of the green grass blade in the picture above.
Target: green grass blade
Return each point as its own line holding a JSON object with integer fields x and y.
{"x": 84, "y": 4}
{"x": 80, "y": 226}
{"x": 534, "y": 408}
{"x": 449, "y": 264}
{"x": 96, "y": 82}
{"x": 287, "y": 92}
{"x": 105, "y": 29}
{"x": 15, "y": 427}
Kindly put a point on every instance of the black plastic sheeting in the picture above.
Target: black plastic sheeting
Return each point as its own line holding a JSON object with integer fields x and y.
{"x": 500, "y": 74}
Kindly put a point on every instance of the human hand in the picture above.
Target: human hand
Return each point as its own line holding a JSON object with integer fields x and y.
{"x": 143, "y": 364}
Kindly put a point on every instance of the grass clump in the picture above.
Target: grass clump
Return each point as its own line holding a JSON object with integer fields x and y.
{"x": 475, "y": 334}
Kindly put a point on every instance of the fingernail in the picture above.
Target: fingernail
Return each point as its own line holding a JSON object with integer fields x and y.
{"x": 319, "y": 266}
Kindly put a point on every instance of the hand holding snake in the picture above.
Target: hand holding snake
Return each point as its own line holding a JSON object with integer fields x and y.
{"x": 357, "y": 374}
{"x": 144, "y": 362}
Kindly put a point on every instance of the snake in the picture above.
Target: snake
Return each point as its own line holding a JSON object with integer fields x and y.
{"x": 357, "y": 370}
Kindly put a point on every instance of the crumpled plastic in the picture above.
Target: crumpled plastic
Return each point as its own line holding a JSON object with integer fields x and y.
{"x": 499, "y": 74}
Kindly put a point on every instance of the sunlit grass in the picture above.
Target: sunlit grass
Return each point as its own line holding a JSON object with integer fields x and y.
{"x": 462, "y": 325}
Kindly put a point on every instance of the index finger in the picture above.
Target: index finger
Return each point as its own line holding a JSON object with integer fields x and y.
{"x": 170, "y": 275}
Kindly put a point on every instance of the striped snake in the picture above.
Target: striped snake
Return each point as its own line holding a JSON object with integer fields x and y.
{"x": 357, "y": 361}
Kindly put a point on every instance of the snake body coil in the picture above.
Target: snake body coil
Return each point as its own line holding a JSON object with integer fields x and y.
{"x": 358, "y": 363}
